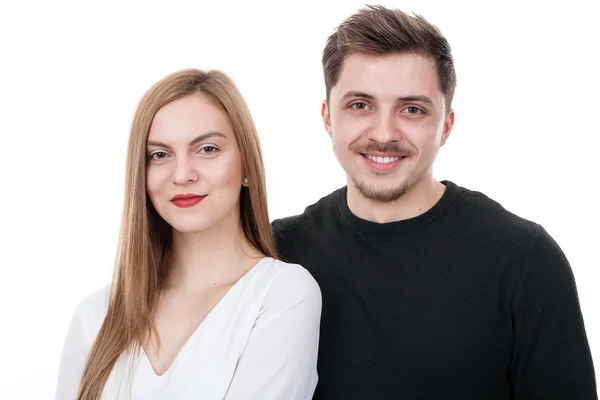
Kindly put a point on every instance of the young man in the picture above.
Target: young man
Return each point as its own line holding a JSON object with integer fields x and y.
{"x": 430, "y": 290}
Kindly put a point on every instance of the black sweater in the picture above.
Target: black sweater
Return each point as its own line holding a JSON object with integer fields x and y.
{"x": 466, "y": 301}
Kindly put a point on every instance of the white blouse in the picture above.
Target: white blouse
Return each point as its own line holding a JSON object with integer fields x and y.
{"x": 258, "y": 343}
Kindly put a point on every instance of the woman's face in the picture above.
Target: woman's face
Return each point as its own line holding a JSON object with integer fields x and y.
{"x": 194, "y": 169}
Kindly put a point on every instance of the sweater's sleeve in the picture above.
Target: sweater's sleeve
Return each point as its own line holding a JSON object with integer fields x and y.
{"x": 551, "y": 355}
{"x": 280, "y": 358}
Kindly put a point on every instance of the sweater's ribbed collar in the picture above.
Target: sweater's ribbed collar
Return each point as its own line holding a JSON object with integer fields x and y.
{"x": 449, "y": 196}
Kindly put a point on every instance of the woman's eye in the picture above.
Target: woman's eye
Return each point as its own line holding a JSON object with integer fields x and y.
{"x": 158, "y": 155}
{"x": 208, "y": 149}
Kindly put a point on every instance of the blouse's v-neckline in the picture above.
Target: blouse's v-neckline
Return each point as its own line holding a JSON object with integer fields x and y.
{"x": 202, "y": 324}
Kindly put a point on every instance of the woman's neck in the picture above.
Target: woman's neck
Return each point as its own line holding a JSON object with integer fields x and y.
{"x": 214, "y": 256}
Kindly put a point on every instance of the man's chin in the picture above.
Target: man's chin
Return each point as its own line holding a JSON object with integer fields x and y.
{"x": 381, "y": 193}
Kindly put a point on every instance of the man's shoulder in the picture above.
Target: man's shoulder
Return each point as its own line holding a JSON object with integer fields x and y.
{"x": 295, "y": 234}
{"x": 314, "y": 212}
{"x": 486, "y": 211}
{"x": 290, "y": 223}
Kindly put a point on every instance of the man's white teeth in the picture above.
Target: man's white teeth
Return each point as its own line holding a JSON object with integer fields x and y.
{"x": 382, "y": 160}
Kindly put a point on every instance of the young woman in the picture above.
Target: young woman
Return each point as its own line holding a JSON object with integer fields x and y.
{"x": 199, "y": 307}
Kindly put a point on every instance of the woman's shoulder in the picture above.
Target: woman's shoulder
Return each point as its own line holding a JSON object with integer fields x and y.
{"x": 291, "y": 281}
{"x": 91, "y": 311}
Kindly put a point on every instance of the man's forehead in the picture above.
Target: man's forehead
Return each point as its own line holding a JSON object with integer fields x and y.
{"x": 398, "y": 75}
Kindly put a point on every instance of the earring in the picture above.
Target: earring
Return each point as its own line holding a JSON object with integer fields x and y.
{"x": 246, "y": 180}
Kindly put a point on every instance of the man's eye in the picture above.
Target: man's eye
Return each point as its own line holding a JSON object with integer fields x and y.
{"x": 413, "y": 110}
{"x": 359, "y": 106}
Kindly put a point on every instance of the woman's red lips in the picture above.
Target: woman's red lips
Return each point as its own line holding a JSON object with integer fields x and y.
{"x": 185, "y": 196}
{"x": 186, "y": 200}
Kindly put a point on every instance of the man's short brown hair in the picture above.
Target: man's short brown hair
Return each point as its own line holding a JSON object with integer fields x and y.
{"x": 376, "y": 30}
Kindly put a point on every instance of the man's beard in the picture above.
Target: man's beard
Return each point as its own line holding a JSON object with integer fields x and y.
{"x": 381, "y": 195}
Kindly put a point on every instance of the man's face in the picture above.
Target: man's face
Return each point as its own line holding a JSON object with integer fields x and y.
{"x": 387, "y": 119}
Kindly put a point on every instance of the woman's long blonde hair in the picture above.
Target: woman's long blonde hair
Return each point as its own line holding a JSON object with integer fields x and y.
{"x": 145, "y": 238}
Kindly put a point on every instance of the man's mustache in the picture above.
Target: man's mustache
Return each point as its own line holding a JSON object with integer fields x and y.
{"x": 388, "y": 148}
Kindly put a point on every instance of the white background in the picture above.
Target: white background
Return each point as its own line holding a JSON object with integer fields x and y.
{"x": 71, "y": 74}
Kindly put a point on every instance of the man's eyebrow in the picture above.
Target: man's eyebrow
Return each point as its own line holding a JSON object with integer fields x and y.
{"x": 363, "y": 95}
{"x": 420, "y": 98}
{"x": 357, "y": 93}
